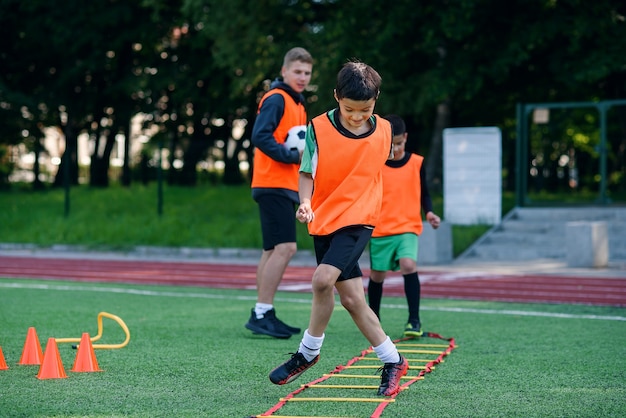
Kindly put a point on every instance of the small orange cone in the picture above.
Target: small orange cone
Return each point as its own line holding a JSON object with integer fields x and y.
{"x": 3, "y": 363}
{"x": 51, "y": 366}
{"x": 86, "y": 356}
{"x": 31, "y": 354}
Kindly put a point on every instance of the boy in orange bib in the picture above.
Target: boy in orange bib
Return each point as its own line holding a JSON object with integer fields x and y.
{"x": 275, "y": 186}
{"x": 394, "y": 243}
{"x": 340, "y": 191}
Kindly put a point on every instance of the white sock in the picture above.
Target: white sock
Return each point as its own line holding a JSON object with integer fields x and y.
{"x": 387, "y": 352}
{"x": 261, "y": 308}
{"x": 310, "y": 346}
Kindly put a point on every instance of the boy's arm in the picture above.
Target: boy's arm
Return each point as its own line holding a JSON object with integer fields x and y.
{"x": 427, "y": 204}
{"x": 267, "y": 120}
{"x": 305, "y": 191}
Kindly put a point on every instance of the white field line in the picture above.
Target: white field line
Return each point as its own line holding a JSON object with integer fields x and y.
{"x": 144, "y": 292}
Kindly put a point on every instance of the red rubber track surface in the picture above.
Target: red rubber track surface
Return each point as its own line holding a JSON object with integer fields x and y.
{"x": 523, "y": 288}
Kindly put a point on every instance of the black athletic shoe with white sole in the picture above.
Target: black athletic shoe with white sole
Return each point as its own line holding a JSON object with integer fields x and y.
{"x": 291, "y": 369}
{"x": 268, "y": 325}
{"x": 292, "y": 330}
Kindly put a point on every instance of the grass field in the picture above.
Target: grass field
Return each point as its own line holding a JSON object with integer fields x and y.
{"x": 120, "y": 218}
{"x": 190, "y": 356}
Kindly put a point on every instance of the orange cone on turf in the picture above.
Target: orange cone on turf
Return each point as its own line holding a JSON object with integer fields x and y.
{"x": 31, "y": 354}
{"x": 3, "y": 363}
{"x": 51, "y": 366}
{"x": 85, "y": 356}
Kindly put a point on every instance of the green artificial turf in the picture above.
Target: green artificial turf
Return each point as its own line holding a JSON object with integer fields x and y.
{"x": 190, "y": 356}
{"x": 124, "y": 217}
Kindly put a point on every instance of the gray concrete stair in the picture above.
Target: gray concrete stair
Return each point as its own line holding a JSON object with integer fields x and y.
{"x": 540, "y": 233}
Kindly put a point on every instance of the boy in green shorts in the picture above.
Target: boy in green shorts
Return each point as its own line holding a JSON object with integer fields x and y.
{"x": 394, "y": 242}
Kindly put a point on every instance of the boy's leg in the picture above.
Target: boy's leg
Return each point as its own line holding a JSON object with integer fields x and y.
{"x": 279, "y": 246}
{"x": 383, "y": 258}
{"x": 322, "y": 307}
{"x": 375, "y": 290}
{"x": 323, "y": 285}
{"x": 396, "y": 366}
{"x": 353, "y": 299}
{"x": 412, "y": 289}
{"x": 408, "y": 267}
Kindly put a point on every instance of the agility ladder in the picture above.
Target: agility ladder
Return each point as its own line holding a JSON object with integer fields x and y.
{"x": 412, "y": 351}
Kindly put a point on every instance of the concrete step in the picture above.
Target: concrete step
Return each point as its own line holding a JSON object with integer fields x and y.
{"x": 516, "y": 238}
{"x": 571, "y": 214}
{"x": 540, "y": 233}
{"x": 498, "y": 252}
{"x": 529, "y": 226}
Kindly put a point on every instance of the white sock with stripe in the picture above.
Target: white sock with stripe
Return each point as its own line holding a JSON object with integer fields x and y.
{"x": 310, "y": 346}
{"x": 387, "y": 352}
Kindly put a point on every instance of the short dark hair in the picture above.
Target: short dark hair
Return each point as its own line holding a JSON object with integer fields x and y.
{"x": 398, "y": 127}
{"x": 357, "y": 81}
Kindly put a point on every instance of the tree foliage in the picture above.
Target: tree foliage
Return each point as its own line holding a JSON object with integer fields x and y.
{"x": 196, "y": 68}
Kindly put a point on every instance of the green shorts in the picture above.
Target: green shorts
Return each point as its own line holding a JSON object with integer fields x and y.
{"x": 386, "y": 252}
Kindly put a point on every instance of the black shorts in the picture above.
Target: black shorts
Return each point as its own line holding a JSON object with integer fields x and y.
{"x": 342, "y": 249}
{"x": 278, "y": 220}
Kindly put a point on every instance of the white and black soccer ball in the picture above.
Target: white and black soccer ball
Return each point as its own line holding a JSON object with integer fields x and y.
{"x": 295, "y": 138}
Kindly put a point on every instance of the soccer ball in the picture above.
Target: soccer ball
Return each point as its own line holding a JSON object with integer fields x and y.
{"x": 295, "y": 138}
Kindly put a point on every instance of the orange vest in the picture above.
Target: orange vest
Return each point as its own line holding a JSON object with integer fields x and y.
{"x": 347, "y": 182}
{"x": 402, "y": 193}
{"x": 268, "y": 172}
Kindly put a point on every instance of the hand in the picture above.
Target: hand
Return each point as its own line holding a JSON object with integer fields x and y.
{"x": 433, "y": 220}
{"x": 304, "y": 213}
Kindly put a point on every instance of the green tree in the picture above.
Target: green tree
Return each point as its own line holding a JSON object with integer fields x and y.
{"x": 196, "y": 68}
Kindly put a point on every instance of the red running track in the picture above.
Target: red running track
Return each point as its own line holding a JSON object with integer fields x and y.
{"x": 524, "y": 288}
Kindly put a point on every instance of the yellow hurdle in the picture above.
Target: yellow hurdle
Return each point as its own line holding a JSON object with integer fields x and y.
{"x": 99, "y": 335}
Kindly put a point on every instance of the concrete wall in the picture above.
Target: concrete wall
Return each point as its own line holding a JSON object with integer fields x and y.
{"x": 472, "y": 176}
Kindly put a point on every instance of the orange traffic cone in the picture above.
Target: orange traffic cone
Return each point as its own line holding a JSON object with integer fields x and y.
{"x": 31, "y": 354}
{"x": 3, "y": 363}
{"x": 86, "y": 356}
{"x": 51, "y": 366}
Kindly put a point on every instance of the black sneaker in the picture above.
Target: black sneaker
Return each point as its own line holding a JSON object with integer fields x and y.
{"x": 390, "y": 380}
{"x": 292, "y": 330}
{"x": 413, "y": 329}
{"x": 291, "y": 369}
{"x": 268, "y": 325}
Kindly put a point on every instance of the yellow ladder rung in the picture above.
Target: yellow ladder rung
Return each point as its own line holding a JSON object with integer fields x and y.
{"x": 419, "y": 351}
{"x": 413, "y": 351}
{"x": 410, "y": 360}
{"x": 422, "y": 345}
{"x": 339, "y": 386}
{"x": 368, "y": 376}
{"x": 377, "y": 400}
{"x": 378, "y": 367}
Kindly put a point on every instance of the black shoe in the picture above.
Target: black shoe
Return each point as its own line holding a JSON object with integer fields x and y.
{"x": 291, "y": 369}
{"x": 413, "y": 329}
{"x": 292, "y": 330}
{"x": 392, "y": 373}
{"x": 268, "y": 325}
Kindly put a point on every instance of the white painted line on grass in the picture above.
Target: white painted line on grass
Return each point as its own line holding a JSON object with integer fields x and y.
{"x": 145, "y": 292}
